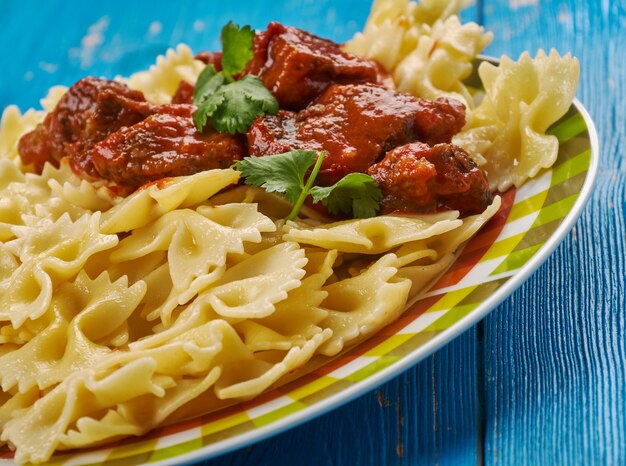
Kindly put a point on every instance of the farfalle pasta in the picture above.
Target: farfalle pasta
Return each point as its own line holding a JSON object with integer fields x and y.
{"x": 423, "y": 45}
{"x": 159, "y": 83}
{"x": 119, "y": 314}
{"x": 522, "y": 99}
{"x": 243, "y": 299}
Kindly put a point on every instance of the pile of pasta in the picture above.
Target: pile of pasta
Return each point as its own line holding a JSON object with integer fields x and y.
{"x": 120, "y": 314}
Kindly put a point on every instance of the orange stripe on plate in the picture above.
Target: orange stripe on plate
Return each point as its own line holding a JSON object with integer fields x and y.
{"x": 478, "y": 245}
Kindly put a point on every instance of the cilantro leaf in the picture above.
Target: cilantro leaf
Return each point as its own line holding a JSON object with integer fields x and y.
{"x": 208, "y": 83}
{"x": 284, "y": 174}
{"x": 237, "y": 48}
{"x": 231, "y": 106}
{"x": 355, "y": 193}
{"x": 234, "y": 106}
{"x": 280, "y": 173}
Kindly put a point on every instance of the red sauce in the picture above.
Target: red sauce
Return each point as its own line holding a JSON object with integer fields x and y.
{"x": 297, "y": 66}
{"x": 165, "y": 144}
{"x": 423, "y": 177}
{"x": 184, "y": 93}
{"x": 356, "y": 125}
{"x": 330, "y": 100}
{"x": 89, "y": 111}
{"x": 213, "y": 58}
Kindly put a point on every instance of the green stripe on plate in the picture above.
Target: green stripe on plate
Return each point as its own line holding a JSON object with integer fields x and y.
{"x": 556, "y": 211}
{"x": 139, "y": 452}
{"x": 503, "y": 247}
{"x": 571, "y": 168}
{"x": 372, "y": 368}
{"x": 527, "y": 206}
{"x": 312, "y": 387}
{"x": 451, "y": 317}
{"x": 176, "y": 450}
{"x": 516, "y": 259}
{"x": 279, "y": 413}
{"x": 224, "y": 423}
{"x": 451, "y": 299}
{"x": 569, "y": 128}
{"x": 389, "y": 344}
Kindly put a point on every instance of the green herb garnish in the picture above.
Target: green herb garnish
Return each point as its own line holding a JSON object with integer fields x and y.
{"x": 231, "y": 106}
{"x": 236, "y": 48}
{"x": 284, "y": 174}
{"x": 355, "y": 193}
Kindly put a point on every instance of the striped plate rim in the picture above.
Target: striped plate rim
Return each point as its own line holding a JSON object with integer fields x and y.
{"x": 531, "y": 223}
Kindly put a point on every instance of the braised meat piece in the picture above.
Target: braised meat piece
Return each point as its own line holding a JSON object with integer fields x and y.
{"x": 184, "y": 93}
{"x": 214, "y": 58}
{"x": 418, "y": 177}
{"x": 297, "y": 66}
{"x": 89, "y": 111}
{"x": 162, "y": 145}
{"x": 356, "y": 125}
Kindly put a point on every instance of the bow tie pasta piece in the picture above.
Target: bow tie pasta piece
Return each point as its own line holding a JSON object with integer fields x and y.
{"x": 522, "y": 99}
{"x": 50, "y": 253}
{"x": 275, "y": 207}
{"x": 194, "y": 315}
{"x": 423, "y": 45}
{"x": 372, "y": 235}
{"x": 151, "y": 202}
{"x": 251, "y": 288}
{"x": 126, "y": 393}
{"x": 84, "y": 195}
{"x": 429, "y": 11}
{"x": 361, "y": 305}
{"x": 13, "y": 125}
{"x": 160, "y": 82}
{"x": 90, "y": 407}
{"x": 423, "y": 261}
{"x": 394, "y": 26}
{"x": 449, "y": 241}
{"x": 8, "y": 262}
{"x": 197, "y": 245}
{"x": 246, "y": 374}
{"x": 295, "y": 319}
{"x": 9, "y": 173}
{"x": 422, "y": 275}
{"x": 85, "y": 318}
{"x": 11, "y": 404}
{"x": 30, "y": 195}
{"x": 442, "y": 60}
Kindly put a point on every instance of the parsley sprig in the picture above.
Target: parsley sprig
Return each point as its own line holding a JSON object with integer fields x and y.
{"x": 285, "y": 174}
{"x": 231, "y": 106}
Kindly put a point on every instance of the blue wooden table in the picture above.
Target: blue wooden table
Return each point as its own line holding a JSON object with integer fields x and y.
{"x": 542, "y": 380}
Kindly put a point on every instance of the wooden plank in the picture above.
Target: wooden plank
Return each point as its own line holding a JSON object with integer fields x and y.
{"x": 555, "y": 353}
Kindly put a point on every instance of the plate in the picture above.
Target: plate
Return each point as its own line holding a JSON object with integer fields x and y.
{"x": 532, "y": 221}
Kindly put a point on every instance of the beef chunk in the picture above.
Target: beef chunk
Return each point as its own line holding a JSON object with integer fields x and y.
{"x": 213, "y": 58}
{"x": 356, "y": 125}
{"x": 297, "y": 66}
{"x": 184, "y": 93}
{"x": 89, "y": 111}
{"x": 418, "y": 177}
{"x": 162, "y": 145}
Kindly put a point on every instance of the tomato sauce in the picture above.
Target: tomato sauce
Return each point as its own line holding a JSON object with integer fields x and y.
{"x": 330, "y": 100}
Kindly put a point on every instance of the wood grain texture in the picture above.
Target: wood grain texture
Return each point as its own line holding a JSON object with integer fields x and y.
{"x": 556, "y": 350}
{"x": 542, "y": 380}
